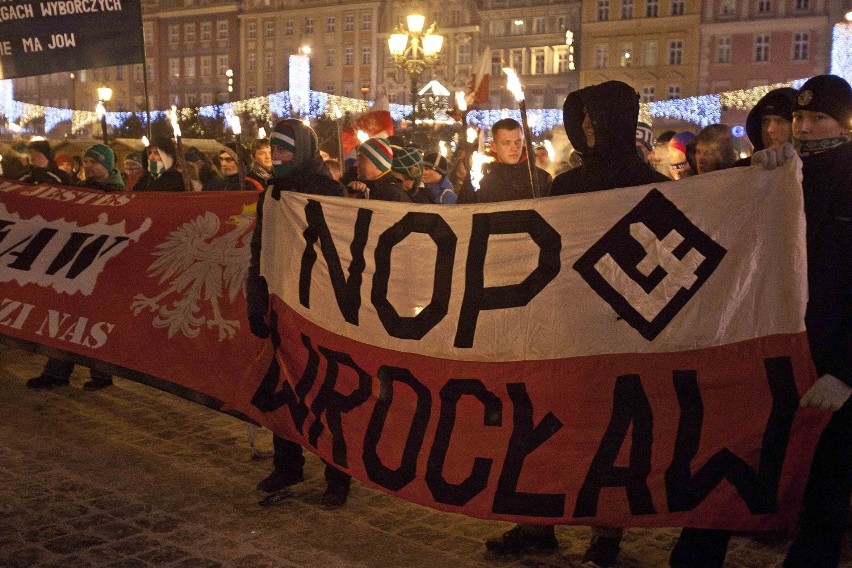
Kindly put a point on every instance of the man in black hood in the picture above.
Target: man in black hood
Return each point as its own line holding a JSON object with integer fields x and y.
{"x": 769, "y": 123}
{"x": 296, "y": 166}
{"x": 601, "y": 124}
{"x": 42, "y": 167}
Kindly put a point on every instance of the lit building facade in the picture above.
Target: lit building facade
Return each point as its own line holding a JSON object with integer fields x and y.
{"x": 539, "y": 39}
{"x": 653, "y": 45}
{"x": 342, "y": 38}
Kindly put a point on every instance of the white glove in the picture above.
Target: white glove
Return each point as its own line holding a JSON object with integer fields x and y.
{"x": 827, "y": 393}
{"x": 771, "y": 158}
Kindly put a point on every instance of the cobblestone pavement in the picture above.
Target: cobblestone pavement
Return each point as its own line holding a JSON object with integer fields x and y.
{"x": 131, "y": 476}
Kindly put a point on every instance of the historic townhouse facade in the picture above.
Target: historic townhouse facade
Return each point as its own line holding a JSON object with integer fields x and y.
{"x": 340, "y": 39}
{"x": 653, "y": 45}
{"x": 540, "y": 40}
{"x": 746, "y": 43}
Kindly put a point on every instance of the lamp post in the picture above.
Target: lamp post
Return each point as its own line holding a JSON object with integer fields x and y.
{"x": 230, "y": 75}
{"x": 414, "y": 51}
{"x": 104, "y": 96}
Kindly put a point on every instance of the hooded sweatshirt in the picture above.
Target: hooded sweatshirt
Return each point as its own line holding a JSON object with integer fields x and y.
{"x": 614, "y": 109}
{"x": 309, "y": 175}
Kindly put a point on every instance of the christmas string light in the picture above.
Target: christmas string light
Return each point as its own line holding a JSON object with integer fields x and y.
{"x": 841, "y": 51}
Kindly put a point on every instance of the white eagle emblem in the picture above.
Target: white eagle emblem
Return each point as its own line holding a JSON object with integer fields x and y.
{"x": 199, "y": 266}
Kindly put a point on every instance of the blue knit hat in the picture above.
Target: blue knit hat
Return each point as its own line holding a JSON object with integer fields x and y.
{"x": 379, "y": 152}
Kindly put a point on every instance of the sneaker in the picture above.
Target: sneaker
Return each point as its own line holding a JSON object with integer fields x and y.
{"x": 335, "y": 495}
{"x": 518, "y": 541}
{"x": 46, "y": 382}
{"x": 279, "y": 479}
{"x": 96, "y": 384}
{"x": 602, "y": 551}
{"x": 275, "y": 498}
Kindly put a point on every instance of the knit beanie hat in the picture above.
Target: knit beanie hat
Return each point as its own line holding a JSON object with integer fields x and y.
{"x": 135, "y": 157}
{"x": 379, "y": 152}
{"x": 645, "y": 135}
{"x": 408, "y": 162}
{"x": 437, "y": 162}
{"x": 680, "y": 140}
{"x": 777, "y": 102}
{"x": 102, "y": 154}
{"x": 284, "y": 135}
{"x": 829, "y": 94}
{"x": 42, "y": 147}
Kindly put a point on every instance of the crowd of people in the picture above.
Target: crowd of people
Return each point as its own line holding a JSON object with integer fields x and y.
{"x": 611, "y": 149}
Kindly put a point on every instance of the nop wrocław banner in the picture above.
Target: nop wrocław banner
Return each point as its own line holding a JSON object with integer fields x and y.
{"x": 630, "y": 357}
{"x": 47, "y": 36}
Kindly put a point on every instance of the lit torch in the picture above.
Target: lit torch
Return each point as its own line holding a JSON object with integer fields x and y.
{"x": 181, "y": 163}
{"x": 514, "y": 85}
{"x": 338, "y": 118}
{"x": 478, "y": 161}
{"x": 236, "y": 127}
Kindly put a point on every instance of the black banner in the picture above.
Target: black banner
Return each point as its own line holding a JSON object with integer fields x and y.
{"x": 46, "y": 36}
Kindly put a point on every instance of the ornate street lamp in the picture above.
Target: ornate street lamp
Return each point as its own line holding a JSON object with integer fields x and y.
{"x": 414, "y": 51}
{"x": 104, "y": 96}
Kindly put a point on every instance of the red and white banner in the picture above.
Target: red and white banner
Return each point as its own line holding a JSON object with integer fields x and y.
{"x": 149, "y": 282}
{"x": 630, "y": 357}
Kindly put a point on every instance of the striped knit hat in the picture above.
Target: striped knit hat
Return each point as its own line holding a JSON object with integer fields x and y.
{"x": 408, "y": 162}
{"x": 379, "y": 152}
{"x": 283, "y": 135}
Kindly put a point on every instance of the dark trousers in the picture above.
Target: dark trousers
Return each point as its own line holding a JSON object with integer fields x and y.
{"x": 288, "y": 456}
{"x": 825, "y": 511}
{"x": 62, "y": 370}
{"x": 700, "y": 548}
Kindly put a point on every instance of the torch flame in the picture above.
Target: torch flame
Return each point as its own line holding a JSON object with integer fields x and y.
{"x": 338, "y": 114}
{"x": 234, "y": 122}
{"x": 461, "y": 102}
{"x": 442, "y": 146}
{"x": 472, "y": 135}
{"x": 514, "y": 84}
{"x": 174, "y": 119}
{"x": 362, "y": 136}
{"x": 551, "y": 151}
{"x": 478, "y": 160}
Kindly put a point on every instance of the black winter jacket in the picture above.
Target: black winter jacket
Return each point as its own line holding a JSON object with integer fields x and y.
{"x": 312, "y": 177}
{"x": 509, "y": 182}
{"x": 827, "y": 187}
{"x": 613, "y": 107}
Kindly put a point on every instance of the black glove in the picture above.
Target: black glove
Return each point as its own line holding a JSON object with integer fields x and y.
{"x": 258, "y": 326}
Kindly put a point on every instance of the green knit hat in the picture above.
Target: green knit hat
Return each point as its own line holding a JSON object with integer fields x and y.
{"x": 379, "y": 152}
{"x": 102, "y": 154}
{"x": 283, "y": 135}
{"x": 408, "y": 162}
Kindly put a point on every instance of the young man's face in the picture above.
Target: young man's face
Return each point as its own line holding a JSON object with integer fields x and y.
{"x": 431, "y": 176}
{"x": 94, "y": 169}
{"x": 228, "y": 164}
{"x": 38, "y": 159}
{"x": 132, "y": 168}
{"x": 367, "y": 170}
{"x": 588, "y": 129}
{"x": 281, "y": 155}
{"x": 774, "y": 130}
{"x": 263, "y": 157}
{"x": 508, "y": 145}
{"x": 810, "y": 125}
{"x": 708, "y": 157}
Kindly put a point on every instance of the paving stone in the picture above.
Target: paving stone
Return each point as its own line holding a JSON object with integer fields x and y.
{"x": 72, "y": 543}
{"x": 181, "y": 493}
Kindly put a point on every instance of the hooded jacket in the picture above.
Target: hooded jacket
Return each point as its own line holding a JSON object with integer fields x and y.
{"x": 614, "y": 109}
{"x": 309, "y": 175}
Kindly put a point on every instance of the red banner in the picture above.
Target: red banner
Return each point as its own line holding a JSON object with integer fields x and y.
{"x": 149, "y": 282}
